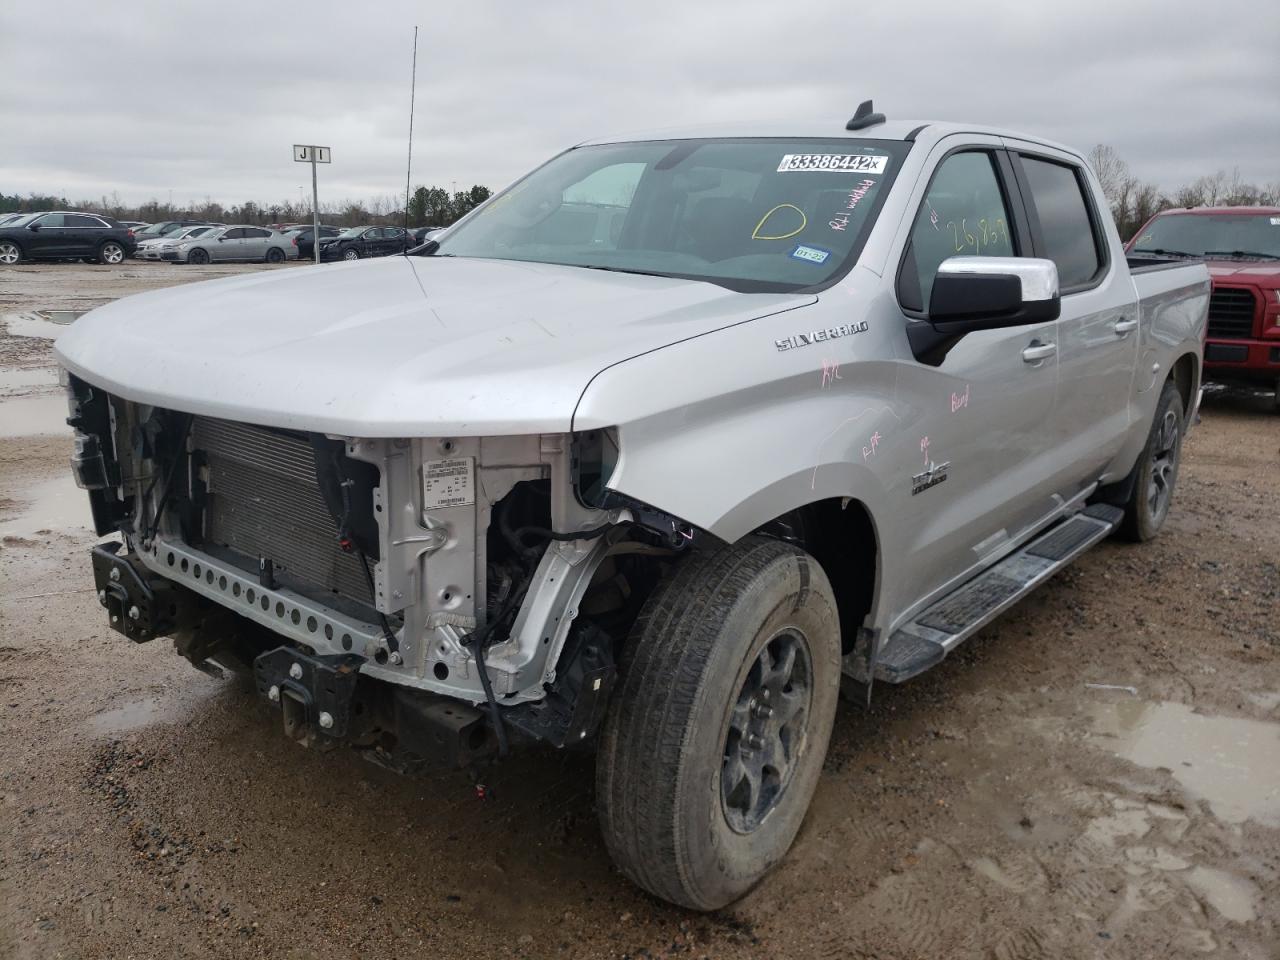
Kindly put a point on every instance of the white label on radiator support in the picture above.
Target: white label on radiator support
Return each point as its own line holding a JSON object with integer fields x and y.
{"x": 448, "y": 483}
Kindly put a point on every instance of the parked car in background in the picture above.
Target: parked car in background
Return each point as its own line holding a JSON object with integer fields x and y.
{"x": 156, "y": 248}
{"x": 134, "y": 225}
{"x": 10, "y": 217}
{"x": 306, "y": 246}
{"x": 1241, "y": 246}
{"x": 359, "y": 243}
{"x": 164, "y": 228}
{"x": 241, "y": 242}
{"x": 65, "y": 235}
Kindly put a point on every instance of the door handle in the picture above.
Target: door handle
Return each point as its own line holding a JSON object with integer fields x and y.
{"x": 1124, "y": 326}
{"x": 1039, "y": 351}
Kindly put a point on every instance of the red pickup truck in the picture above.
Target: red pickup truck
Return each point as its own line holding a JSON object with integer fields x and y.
{"x": 1241, "y": 246}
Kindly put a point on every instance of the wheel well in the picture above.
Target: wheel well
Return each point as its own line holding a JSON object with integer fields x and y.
{"x": 840, "y": 535}
{"x": 1183, "y": 375}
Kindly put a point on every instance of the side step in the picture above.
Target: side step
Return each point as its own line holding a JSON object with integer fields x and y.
{"x": 936, "y": 631}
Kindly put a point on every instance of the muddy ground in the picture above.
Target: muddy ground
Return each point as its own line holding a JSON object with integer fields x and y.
{"x": 1015, "y": 803}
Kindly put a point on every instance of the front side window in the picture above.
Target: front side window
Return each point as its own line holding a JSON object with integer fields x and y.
{"x": 1066, "y": 227}
{"x": 236, "y": 234}
{"x": 750, "y": 215}
{"x": 963, "y": 215}
{"x": 1226, "y": 236}
{"x": 52, "y": 220}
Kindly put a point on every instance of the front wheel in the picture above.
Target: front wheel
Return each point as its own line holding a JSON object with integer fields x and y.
{"x": 715, "y": 740}
{"x": 10, "y": 253}
{"x": 1157, "y": 470}
{"x": 351, "y": 253}
{"x": 198, "y": 256}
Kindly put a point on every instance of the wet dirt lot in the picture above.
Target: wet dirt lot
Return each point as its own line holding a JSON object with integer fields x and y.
{"x": 1096, "y": 775}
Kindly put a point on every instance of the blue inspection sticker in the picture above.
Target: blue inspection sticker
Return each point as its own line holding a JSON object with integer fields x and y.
{"x": 810, "y": 254}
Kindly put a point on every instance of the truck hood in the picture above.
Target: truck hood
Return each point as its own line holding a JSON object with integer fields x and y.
{"x": 399, "y": 347}
{"x": 1259, "y": 273}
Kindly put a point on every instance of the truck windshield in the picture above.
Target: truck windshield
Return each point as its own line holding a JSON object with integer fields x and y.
{"x": 751, "y": 215}
{"x": 1225, "y": 236}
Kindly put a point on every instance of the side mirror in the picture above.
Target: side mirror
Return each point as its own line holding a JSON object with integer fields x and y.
{"x": 984, "y": 293}
{"x": 33, "y": 226}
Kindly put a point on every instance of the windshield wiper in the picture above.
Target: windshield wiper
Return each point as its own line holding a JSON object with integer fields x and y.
{"x": 640, "y": 273}
{"x": 1161, "y": 252}
{"x": 1242, "y": 254}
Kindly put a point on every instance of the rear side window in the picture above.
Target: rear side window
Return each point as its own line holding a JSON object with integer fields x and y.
{"x": 963, "y": 215}
{"x": 256, "y": 233}
{"x": 80, "y": 220}
{"x": 1066, "y": 226}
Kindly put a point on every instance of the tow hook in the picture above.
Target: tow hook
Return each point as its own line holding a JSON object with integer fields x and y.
{"x": 315, "y": 694}
{"x": 139, "y": 604}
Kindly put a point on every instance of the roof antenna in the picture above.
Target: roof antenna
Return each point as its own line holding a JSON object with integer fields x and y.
{"x": 863, "y": 117}
{"x": 408, "y": 173}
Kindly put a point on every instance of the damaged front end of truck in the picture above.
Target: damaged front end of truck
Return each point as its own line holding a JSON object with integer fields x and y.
{"x": 423, "y": 599}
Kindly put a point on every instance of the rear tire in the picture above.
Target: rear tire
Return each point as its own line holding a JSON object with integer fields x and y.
{"x": 1157, "y": 470}
{"x": 275, "y": 255}
{"x": 715, "y": 739}
{"x": 111, "y": 253}
{"x": 10, "y": 253}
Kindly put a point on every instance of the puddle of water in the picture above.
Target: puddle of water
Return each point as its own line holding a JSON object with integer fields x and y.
{"x": 1232, "y": 896}
{"x": 61, "y": 316}
{"x": 130, "y": 716}
{"x": 56, "y": 504}
{"x": 1231, "y": 763}
{"x": 34, "y": 325}
{"x": 21, "y": 381}
{"x": 33, "y": 416}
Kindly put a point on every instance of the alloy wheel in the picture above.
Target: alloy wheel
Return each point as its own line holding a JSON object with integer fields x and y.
{"x": 9, "y": 253}
{"x": 766, "y": 731}
{"x": 1164, "y": 465}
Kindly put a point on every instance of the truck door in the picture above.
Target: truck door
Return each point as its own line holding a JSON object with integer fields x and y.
{"x": 983, "y": 468}
{"x": 1098, "y": 328}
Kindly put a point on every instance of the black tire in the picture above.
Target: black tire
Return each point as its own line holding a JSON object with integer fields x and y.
{"x": 198, "y": 256}
{"x": 351, "y": 253}
{"x": 672, "y": 805}
{"x": 275, "y": 255}
{"x": 111, "y": 253}
{"x": 1156, "y": 470}
{"x": 10, "y": 253}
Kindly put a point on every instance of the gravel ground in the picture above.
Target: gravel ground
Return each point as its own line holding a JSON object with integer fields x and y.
{"x": 1013, "y": 803}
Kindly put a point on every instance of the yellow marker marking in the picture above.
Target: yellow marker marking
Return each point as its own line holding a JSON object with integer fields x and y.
{"x": 804, "y": 222}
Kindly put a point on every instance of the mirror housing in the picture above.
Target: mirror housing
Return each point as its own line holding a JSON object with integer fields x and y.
{"x": 34, "y": 227}
{"x": 984, "y": 293}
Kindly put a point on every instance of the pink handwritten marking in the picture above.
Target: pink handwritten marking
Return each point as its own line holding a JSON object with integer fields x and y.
{"x": 830, "y": 371}
{"x": 933, "y": 216}
{"x": 870, "y": 451}
{"x": 813, "y": 480}
{"x": 839, "y": 223}
{"x": 858, "y": 192}
{"x": 924, "y": 448}
{"x": 959, "y": 400}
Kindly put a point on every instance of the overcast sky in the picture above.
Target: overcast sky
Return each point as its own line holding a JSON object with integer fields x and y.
{"x": 206, "y": 99}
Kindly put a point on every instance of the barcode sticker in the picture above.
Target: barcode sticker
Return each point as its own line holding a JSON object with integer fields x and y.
{"x": 831, "y": 163}
{"x": 448, "y": 483}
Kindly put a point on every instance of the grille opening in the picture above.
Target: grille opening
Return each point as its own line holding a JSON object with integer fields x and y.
{"x": 1231, "y": 313}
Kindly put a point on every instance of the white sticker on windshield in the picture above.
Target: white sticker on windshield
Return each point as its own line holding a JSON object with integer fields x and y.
{"x": 831, "y": 163}
{"x": 448, "y": 483}
{"x": 811, "y": 254}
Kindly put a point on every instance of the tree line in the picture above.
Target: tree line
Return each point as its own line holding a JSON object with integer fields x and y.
{"x": 428, "y": 207}
{"x": 1133, "y": 201}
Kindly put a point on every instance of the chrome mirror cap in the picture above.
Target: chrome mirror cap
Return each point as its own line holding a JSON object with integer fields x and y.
{"x": 1039, "y": 278}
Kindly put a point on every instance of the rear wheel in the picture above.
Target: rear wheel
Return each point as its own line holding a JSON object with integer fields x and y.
{"x": 1157, "y": 470}
{"x": 198, "y": 256}
{"x": 10, "y": 253}
{"x": 715, "y": 740}
{"x": 111, "y": 253}
{"x": 275, "y": 255}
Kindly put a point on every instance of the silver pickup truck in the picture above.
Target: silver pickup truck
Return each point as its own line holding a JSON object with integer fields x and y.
{"x": 650, "y": 455}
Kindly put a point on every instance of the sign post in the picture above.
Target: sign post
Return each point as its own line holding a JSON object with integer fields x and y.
{"x": 306, "y": 153}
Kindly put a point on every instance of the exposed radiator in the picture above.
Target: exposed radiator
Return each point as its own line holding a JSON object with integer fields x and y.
{"x": 264, "y": 501}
